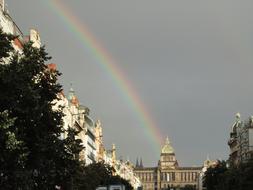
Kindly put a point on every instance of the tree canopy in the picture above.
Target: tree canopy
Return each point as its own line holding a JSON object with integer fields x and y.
{"x": 32, "y": 154}
{"x": 31, "y": 149}
{"x": 222, "y": 177}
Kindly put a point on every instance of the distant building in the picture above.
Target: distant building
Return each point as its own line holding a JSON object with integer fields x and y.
{"x": 241, "y": 141}
{"x": 124, "y": 169}
{"x": 168, "y": 174}
{"x": 99, "y": 141}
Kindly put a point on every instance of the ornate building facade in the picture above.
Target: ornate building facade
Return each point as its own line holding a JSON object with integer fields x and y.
{"x": 241, "y": 141}
{"x": 167, "y": 174}
{"x": 8, "y": 26}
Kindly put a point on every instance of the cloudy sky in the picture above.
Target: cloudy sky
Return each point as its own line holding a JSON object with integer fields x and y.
{"x": 191, "y": 63}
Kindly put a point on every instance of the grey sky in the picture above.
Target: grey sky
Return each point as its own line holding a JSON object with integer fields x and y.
{"x": 190, "y": 61}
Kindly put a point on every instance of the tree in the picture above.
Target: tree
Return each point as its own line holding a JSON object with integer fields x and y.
{"x": 12, "y": 156}
{"x": 32, "y": 154}
{"x": 30, "y": 125}
{"x": 246, "y": 175}
{"x": 232, "y": 178}
{"x": 215, "y": 175}
{"x": 6, "y": 47}
{"x": 103, "y": 174}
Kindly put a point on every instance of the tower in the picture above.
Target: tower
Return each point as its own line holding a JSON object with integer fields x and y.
{"x": 113, "y": 154}
{"x": 141, "y": 164}
{"x": 168, "y": 157}
{"x": 137, "y": 163}
{"x": 71, "y": 93}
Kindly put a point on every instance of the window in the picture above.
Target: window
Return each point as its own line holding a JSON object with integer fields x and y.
{"x": 168, "y": 177}
{"x": 173, "y": 176}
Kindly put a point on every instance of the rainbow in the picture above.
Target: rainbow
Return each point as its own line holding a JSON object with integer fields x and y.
{"x": 107, "y": 63}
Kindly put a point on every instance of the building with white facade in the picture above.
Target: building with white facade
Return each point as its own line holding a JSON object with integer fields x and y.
{"x": 241, "y": 141}
{"x": 77, "y": 117}
{"x": 8, "y": 26}
{"x": 124, "y": 169}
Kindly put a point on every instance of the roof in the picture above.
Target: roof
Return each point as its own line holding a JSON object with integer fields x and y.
{"x": 145, "y": 169}
{"x": 189, "y": 168}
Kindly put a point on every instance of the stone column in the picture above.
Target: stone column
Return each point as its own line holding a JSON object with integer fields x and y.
{"x": 158, "y": 179}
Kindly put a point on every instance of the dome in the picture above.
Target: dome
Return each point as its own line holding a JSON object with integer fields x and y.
{"x": 167, "y": 148}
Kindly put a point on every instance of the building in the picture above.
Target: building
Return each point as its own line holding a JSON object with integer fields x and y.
{"x": 90, "y": 141}
{"x": 99, "y": 141}
{"x": 8, "y": 26}
{"x": 77, "y": 117}
{"x": 233, "y": 140}
{"x": 167, "y": 174}
{"x": 241, "y": 141}
{"x": 124, "y": 169}
{"x": 246, "y": 141}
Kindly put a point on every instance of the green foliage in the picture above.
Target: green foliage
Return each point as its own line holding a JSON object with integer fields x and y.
{"x": 246, "y": 175}
{"x": 6, "y": 47}
{"x": 232, "y": 178}
{"x": 32, "y": 154}
{"x": 104, "y": 176}
{"x": 214, "y": 175}
{"x": 12, "y": 150}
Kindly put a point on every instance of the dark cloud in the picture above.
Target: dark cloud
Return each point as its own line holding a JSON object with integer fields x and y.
{"x": 190, "y": 61}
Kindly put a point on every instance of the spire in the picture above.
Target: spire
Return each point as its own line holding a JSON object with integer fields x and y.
{"x": 72, "y": 97}
{"x": 113, "y": 152}
{"x": 71, "y": 93}
{"x": 137, "y": 163}
{"x": 167, "y": 140}
{"x": 141, "y": 165}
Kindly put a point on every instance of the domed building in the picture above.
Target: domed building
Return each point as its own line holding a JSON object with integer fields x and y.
{"x": 167, "y": 174}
